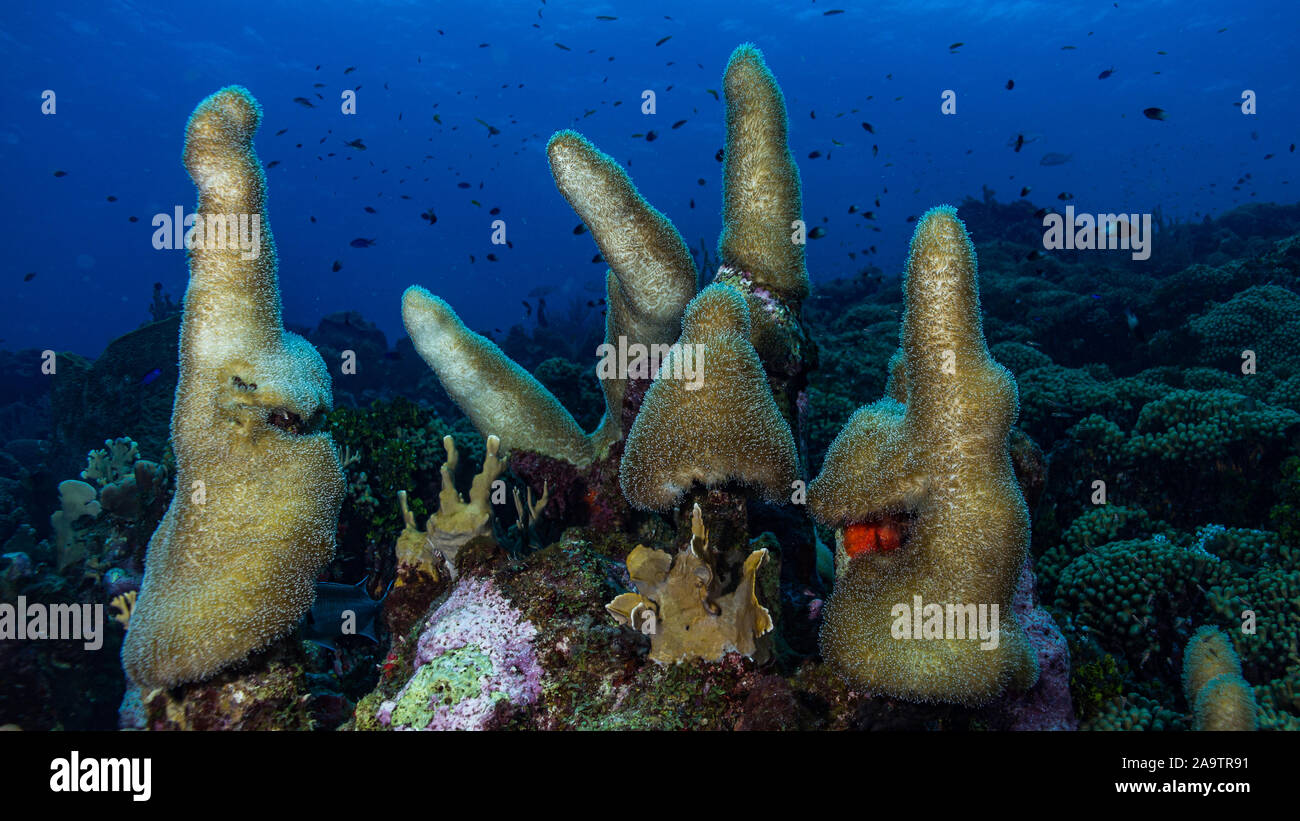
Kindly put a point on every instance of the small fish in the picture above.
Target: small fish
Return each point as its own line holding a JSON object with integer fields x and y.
{"x": 60, "y": 173}
{"x": 112, "y": 198}
{"x": 151, "y": 376}
{"x": 605, "y": 17}
{"x": 429, "y": 216}
{"x": 492, "y": 130}
{"x": 1040, "y": 213}
{"x": 579, "y": 229}
{"x": 1054, "y": 158}
{"x": 719, "y": 155}
{"x": 711, "y": 91}
{"x": 495, "y": 211}
{"x": 491, "y": 257}
{"x": 663, "y": 40}
{"x": 462, "y": 185}
{"x": 563, "y": 47}
{"x": 700, "y": 181}
{"x": 1106, "y": 73}
{"x": 28, "y": 277}
{"x": 868, "y": 128}
{"x": 282, "y": 132}
{"x": 1020, "y": 142}
{"x": 955, "y": 45}
{"x": 679, "y": 124}
{"x": 361, "y": 242}
{"x": 370, "y": 210}
{"x": 272, "y": 164}
{"x": 1024, "y": 192}
{"x": 817, "y": 233}
{"x": 1067, "y": 48}
{"x": 1065, "y": 195}
{"x": 336, "y": 267}
{"x": 527, "y": 308}
{"x": 304, "y": 102}
{"x": 597, "y": 258}
{"x": 812, "y": 155}
{"x": 437, "y": 119}
{"x": 832, "y": 11}
{"x": 1011, "y": 84}
{"x": 357, "y": 144}
{"x": 349, "y": 69}
{"x": 1155, "y": 114}
{"x": 650, "y": 136}
{"x": 133, "y": 219}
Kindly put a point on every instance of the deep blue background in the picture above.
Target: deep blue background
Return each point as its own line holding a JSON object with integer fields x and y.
{"x": 127, "y": 76}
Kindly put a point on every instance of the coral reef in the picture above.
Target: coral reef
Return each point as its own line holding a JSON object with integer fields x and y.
{"x": 231, "y": 567}
{"x": 936, "y": 453}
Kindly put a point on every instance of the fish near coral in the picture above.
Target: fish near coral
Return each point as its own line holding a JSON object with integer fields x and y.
{"x": 232, "y": 566}
{"x": 934, "y": 456}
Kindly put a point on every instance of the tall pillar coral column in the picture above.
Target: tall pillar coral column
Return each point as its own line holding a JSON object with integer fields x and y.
{"x": 651, "y": 276}
{"x": 232, "y": 566}
{"x": 932, "y": 461}
{"x": 761, "y": 247}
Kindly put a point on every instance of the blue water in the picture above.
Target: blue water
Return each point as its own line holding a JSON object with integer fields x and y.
{"x": 127, "y": 75}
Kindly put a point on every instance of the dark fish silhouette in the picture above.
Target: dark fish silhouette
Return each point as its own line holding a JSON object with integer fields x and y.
{"x": 340, "y": 606}
{"x": 361, "y": 242}
{"x": 303, "y": 101}
{"x": 337, "y": 266}
{"x": 1155, "y": 113}
{"x": 1106, "y": 73}
{"x": 29, "y": 277}
{"x": 663, "y": 40}
{"x": 357, "y": 144}
{"x": 1011, "y": 84}
{"x": 151, "y": 376}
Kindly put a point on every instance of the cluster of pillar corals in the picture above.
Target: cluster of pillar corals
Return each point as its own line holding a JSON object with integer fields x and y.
{"x": 933, "y": 453}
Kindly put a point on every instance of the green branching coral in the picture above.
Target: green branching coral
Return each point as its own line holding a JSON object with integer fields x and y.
{"x": 1137, "y": 597}
{"x": 940, "y": 460}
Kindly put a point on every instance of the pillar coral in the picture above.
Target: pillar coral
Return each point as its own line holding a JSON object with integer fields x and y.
{"x": 1220, "y": 698}
{"x": 651, "y": 277}
{"x": 935, "y": 455}
{"x": 232, "y": 565}
{"x": 712, "y": 420}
